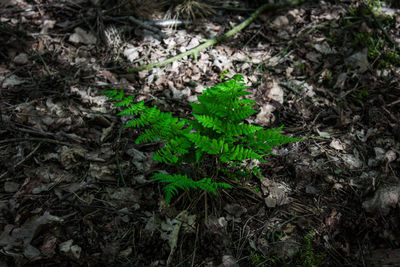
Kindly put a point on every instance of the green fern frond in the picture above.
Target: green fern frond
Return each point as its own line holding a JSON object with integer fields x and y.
{"x": 264, "y": 140}
{"x": 239, "y": 153}
{"x": 177, "y": 181}
{"x": 133, "y": 109}
{"x": 173, "y": 150}
{"x": 226, "y": 127}
{"x": 218, "y": 128}
{"x": 275, "y": 138}
{"x": 209, "y": 122}
{"x": 149, "y": 135}
{"x": 146, "y": 118}
{"x": 125, "y": 102}
{"x": 114, "y": 95}
{"x": 211, "y": 107}
{"x": 206, "y": 144}
{"x": 224, "y": 101}
{"x": 240, "y": 129}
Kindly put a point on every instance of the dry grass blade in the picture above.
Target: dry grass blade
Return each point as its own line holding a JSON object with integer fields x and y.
{"x": 189, "y": 9}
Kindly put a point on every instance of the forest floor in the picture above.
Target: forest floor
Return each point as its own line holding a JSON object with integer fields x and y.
{"x": 75, "y": 189}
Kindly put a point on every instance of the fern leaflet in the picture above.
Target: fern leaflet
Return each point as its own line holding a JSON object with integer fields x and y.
{"x": 178, "y": 181}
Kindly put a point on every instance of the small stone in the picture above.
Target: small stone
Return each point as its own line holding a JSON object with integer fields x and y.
{"x": 11, "y": 187}
{"x": 21, "y": 59}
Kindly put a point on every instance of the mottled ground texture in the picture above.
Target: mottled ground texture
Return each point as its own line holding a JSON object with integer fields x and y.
{"x": 76, "y": 190}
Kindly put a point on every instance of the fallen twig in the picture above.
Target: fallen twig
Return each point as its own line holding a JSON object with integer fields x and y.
{"x": 140, "y": 23}
{"x": 169, "y": 22}
{"x": 219, "y": 38}
{"x": 23, "y": 160}
{"x": 36, "y": 139}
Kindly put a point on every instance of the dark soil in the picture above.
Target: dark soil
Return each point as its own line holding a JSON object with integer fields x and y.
{"x": 75, "y": 189}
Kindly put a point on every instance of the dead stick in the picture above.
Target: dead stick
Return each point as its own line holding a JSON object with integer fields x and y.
{"x": 36, "y": 139}
{"x": 219, "y": 38}
{"x": 23, "y": 160}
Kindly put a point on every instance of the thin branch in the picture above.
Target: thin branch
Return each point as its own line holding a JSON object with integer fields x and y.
{"x": 219, "y": 38}
{"x": 46, "y": 140}
{"x": 23, "y": 160}
{"x": 139, "y": 23}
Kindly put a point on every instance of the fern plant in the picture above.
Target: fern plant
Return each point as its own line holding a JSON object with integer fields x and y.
{"x": 217, "y": 129}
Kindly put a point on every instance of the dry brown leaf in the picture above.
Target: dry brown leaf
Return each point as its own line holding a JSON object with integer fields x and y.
{"x": 17, "y": 240}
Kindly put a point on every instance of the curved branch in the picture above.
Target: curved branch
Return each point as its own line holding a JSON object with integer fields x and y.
{"x": 219, "y": 38}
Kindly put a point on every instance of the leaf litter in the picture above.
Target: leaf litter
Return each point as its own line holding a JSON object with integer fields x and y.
{"x": 97, "y": 186}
